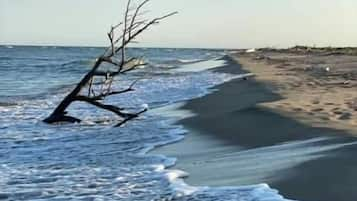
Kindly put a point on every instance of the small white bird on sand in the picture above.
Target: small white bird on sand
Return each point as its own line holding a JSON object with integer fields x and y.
{"x": 327, "y": 69}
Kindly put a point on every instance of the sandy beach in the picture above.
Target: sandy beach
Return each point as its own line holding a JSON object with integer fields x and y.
{"x": 317, "y": 87}
{"x": 291, "y": 126}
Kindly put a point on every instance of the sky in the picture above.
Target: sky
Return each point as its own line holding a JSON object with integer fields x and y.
{"x": 199, "y": 24}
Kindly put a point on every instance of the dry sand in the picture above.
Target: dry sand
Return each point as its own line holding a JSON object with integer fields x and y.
{"x": 317, "y": 88}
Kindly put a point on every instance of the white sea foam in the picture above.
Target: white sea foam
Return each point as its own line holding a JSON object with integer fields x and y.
{"x": 189, "y": 60}
{"x": 201, "y": 66}
{"x": 173, "y": 111}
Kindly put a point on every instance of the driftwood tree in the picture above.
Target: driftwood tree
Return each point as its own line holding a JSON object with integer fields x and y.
{"x": 115, "y": 55}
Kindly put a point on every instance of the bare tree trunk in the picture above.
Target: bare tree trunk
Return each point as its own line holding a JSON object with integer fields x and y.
{"x": 59, "y": 114}
{"x": 132, "y": 27}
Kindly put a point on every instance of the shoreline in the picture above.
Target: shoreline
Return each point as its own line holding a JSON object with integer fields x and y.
{"x": 235, "y": 139}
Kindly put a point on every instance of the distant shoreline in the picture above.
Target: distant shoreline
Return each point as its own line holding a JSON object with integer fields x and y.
{"x": 296, "y": 49}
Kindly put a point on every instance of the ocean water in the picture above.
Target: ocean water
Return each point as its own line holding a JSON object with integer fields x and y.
{"x": 93, "y": 160}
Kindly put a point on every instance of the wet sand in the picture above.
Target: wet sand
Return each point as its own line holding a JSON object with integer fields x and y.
{"x": 241, "y": 135}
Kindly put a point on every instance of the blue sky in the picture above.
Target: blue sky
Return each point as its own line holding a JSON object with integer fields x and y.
{"x": 200, "y": 23}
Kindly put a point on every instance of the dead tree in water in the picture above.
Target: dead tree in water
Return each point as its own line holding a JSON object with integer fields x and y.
{"x": 129, "y": 29}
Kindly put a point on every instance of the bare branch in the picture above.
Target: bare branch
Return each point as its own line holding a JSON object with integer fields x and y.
{"x": 117, "y": 25}
{"x": 132, "y": 116}
{"x": 100, "y": 97}
{"x": 111, "y": 39}
{"x": 125, "y": 31}
{"x": 132, "y": 68}
{"x": 110, "y": 93}
{"x": 90, "y": 86}
{"x": 110, "y": 61}
{"x": 94, "y": 102}
{"x": 165, "y": 16}
{"x": 112, "y": 74}
{"x": 111, "y": 36}
{"x": 133, "y": 19}
{"x": 152, "y": 22}
{"x": 131, "y": 26}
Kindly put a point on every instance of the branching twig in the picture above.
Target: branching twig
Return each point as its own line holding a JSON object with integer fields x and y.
{"x": 132, "y": 116}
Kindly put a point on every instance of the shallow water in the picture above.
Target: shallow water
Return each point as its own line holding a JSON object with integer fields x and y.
{"x": 94, "y": 161}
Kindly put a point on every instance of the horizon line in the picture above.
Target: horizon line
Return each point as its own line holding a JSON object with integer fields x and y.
{"x": 97, "y": 46}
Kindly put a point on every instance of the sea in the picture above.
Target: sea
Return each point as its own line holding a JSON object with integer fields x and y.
{"x": 94, "y": 161}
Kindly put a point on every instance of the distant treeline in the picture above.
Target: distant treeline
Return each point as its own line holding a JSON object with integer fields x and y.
{"x": 320, "y": 50}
